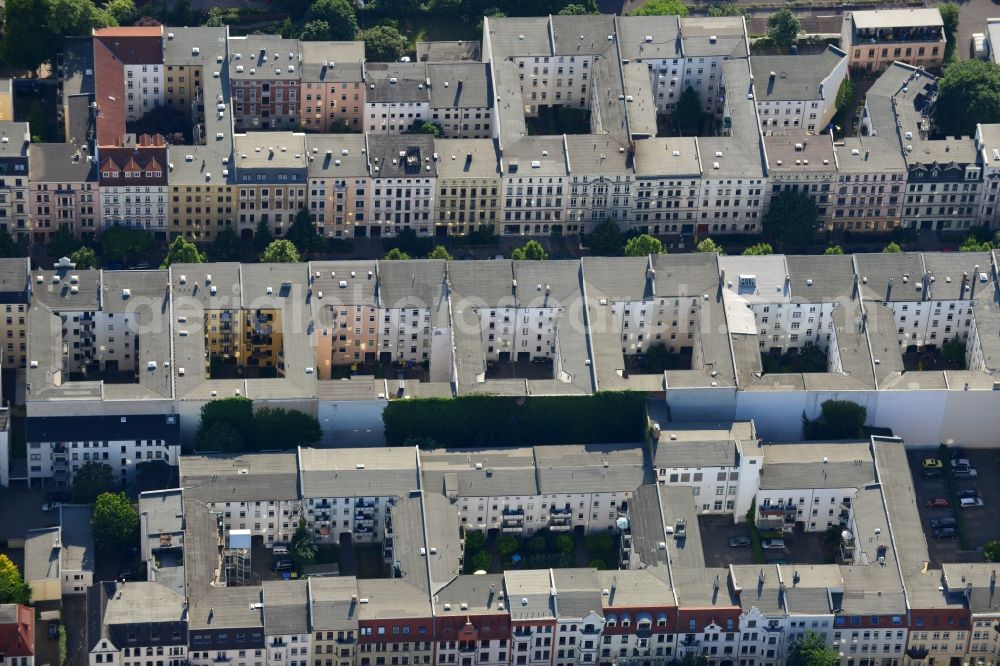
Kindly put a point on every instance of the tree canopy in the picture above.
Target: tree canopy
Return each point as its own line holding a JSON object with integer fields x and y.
{"x": 688, "y": 111}
{"x": 303, "y": 548}
{"x": 12, "y": 248}
{"x": 426, "y": 127}
{"x": 232, "y": 425}
{"x": 395, "y": 254}
{"x": 84, "y": 258}
{"x": 281, "y": 251}
{"x": 662, "y": 8}
{"x": 838, "y": 419}
{"x": 225, "y": 246}
{"x": 182, "y": 251}
{"x": 643, "y": 245}
{"x": 114, "y": 521}
{"x": 811, "y": 649}
{"x": 124, "y": 243}
{"x": 791, "y": 219}
{"x": 316, "y": 30}
{"x": 61, "y": 243}
{"x": 303, "y": 233}
{"x": 892, "y": 248}
{"x": 91, "y": 480}
{"x": 834, "y": 250}
{"x": 339, "y": 16}
{"x": 709, "y": 245}
{"x": 574, "y": 9}
{"x": 991, "y": 552}
{"x": 13, "y": 589}
{"x": 968, "y": 93}
{"x": 262, "y": 236}
{"x": 605, "y": 239}
{"x": 384, "y": 43}
{"x": 440, "y": 252}
{"x": 34, "y": 29}
{"x": 758, "y": 250}
{"x": 530, "y": 251}
{"x": 783, "y": 27}
{"x": 290, "y": 427}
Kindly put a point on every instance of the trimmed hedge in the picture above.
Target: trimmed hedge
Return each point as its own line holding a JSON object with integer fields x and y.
{"x": 489, "y": 420}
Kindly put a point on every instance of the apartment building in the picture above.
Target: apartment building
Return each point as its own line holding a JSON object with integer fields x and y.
{"x": 600, "y": 183}
{"x": 798, "y": 161}
{"x": 129, "y": 78}
{"x": 871, "y": 184}
{"x": 413, "y": 313}
{"x": 14, "y": 298}
{"x": 874, "y": 39}
{"x": 333, "y": 613}
{"x": 133, "y": 185}
{"x": 468, "y": 197}
{"x": 338, "y": 183}
{"x": 404, "y": 183}
{"x": 988, "y": 145}
{"x": 272, "y": 176}
{"x": 59, "y": 560}
{"x": 333, "y": 86}
{"x": 471, "y": 624}
{"x": 460, "y": 100}
{"x": 346, "y": 310}
{"x": 667, "y": 184}
{"x": 720, "y": 465}
{"x": 201, "y": 193}
{"x": 287, "y": 630}
{"x": 15, "y": 142}
{"x": 6, "y": 99}
{"x": 141, "y": 622}
{"x": 63, "y": 191}
{"x": 535, "y": 188}
{"x": 798, "y": 92}
{"x": 270, "y": 508}
{"x": 265, "y": 75}
{"x": 398, "y": 97}
{"x": 17, "y": 634}
{"x": 707, "y": 44}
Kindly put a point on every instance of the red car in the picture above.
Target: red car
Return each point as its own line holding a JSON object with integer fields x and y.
{"x": 937, "y": 503}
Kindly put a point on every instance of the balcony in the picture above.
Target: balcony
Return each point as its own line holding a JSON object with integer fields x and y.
{"x": 917, "y": 652}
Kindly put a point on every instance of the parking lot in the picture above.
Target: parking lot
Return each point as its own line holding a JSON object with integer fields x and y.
{"x": 980, "y": 524}
{"x": 800, "y": 547}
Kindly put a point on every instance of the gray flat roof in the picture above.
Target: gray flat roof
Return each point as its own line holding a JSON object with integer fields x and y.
{"x": 796, "y": 77}
{"x": 244, "y": 477}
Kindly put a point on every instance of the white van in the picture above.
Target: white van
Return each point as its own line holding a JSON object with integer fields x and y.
{"x": 279, "y": 550}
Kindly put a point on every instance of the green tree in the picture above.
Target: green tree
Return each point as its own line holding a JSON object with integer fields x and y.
{"x": 991, "y": 551}
{"x": 216, "y": 18}
{"x": 811, "y": 649}
{"x": 13, "y": 589}
{"x": 833, "y": 250}
{"x": 182, "y": 251}
{"x": 973, "y": 244}
{"x": 688, "y": 112}
{"x": 339, "y": 16}
{"x": 37, "y": 122}
{"x": 236, "y": 412}
{"x": 91, "y": 480}
{"x": 395, "y": 254}
{"x": 183, "y": 13}
{"x": 481, "y": 561}
{"x": 725, "y": 9}
{"x": 758, "y": 249}
{"x": 709, "y": 245}
{"x": 426, "y": 127}
{"x": 474, "y": 540}
{"x": 968, "y": 93}
{"x": 600, "y": 543}
{"x": 662, "y": 8}
{"x": 440, "y": 252}
{"x": 226, "y": 246}
{"x": 281, "y": 251}
{"x": 262, "y": 236}
{"x": 950, "y": 15}
{"x": 845, "y": 94}
{"x": 122, "y": 10}
{"x": 25, "y": 42}
{"x": 953, "y": 350}
{"x": 61, "y": 243}
{"x": 643, "y": 245}
{"x": 574, "y": 9}
{"x": 791, "y": 219}
{"x": 12, "y": 248}
{"x": 115, "y": 522}
{"x": 783, "y": 27}
{"x": 564, "y": 543}
{"x": 384, "y": 43}
{"x": 838, "y": 419}
{"x": 221, "y": 437}
{"x": 84, "y": 258}
{"x": 598, "y": 564}
{"x": 303, "y": 232}
{"x": 605, "y": 240}
{"x": 507, "y": 545}
{"x": 124, "y": 243}
{"x": 530, "y": 251}
{"x": 316, "y": 30}
{"x": 76, "y": 17}
{"x": 303, "y": 548}
{"x": 290, "y": 427}
{"x": 537, "y": 545}
{"x": 892, "y": 248}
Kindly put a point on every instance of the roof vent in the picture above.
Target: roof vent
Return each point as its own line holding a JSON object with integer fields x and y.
{"x": 126, "y": 293}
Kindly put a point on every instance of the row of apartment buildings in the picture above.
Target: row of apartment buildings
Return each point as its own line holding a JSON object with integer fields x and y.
{"x": 880, "y": 604}
{"x": 245, "y": 164}
{"x": 119, "y": 363}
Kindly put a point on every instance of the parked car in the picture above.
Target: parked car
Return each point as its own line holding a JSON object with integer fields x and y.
{"x": 51, "y": 506}
{"x": 943, "y": 522}
{"x": 960, "y": 462}
{"x": 931, "y": 463}
{"x": 970, "y": 502}
{"x": 937, "y": 503}
{"x": 965, "y": 473}
{"x": 739, "y": 542}
{"x": 930, "y": 473}
{"x": 279, "y": 550}
{"x": 772, "y": 544}
{"x": 281, "y": 564}
{"x": 945, "y": 533}
{"x": 971, "y": 492}
{"x": 53, "y": 629}
{"x": 58, "y": 496}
